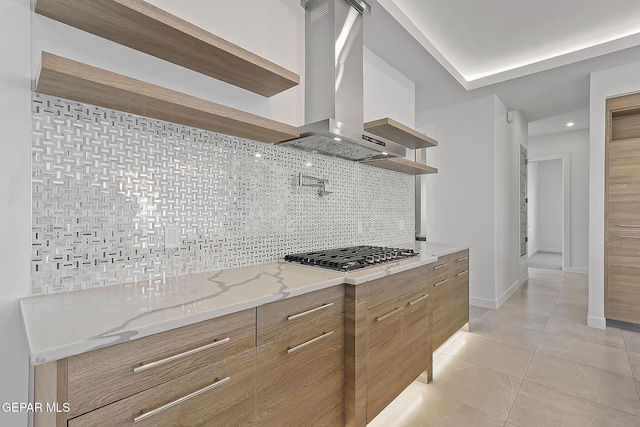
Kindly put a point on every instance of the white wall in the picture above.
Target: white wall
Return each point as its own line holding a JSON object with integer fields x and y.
{"x": 387, "y": 92}
{"x": 604, "y": 84}
{"x": 15, "y": 201}
{"x": 549, "y": 205}
{"x": 574, "y": 146}
{"x": 510, "y": 269}
{"x": 474, "y": 197}
{"x": 532, "y": 208}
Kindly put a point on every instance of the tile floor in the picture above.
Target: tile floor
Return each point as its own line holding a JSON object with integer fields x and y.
{"x": 532, "y": 362}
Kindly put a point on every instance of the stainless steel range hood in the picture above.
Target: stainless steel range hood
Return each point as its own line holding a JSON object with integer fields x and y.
{"x": 334, "y": 114}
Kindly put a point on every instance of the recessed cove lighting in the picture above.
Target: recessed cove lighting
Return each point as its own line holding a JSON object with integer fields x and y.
{"x": 384, "y": 153}
{"x": 570, "y": 124}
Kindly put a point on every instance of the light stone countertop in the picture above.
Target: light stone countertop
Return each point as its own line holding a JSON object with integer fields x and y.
{"x": 69, "y": 323}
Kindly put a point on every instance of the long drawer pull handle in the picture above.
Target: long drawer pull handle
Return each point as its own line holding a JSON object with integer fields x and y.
{"x": 441, "y": 282}
{"x": 462, "y": 259}
{"x": 629, "y": 237}
{"x": 462, "y": 272}
{"x": 629, "y": 225}
{"x": 422, "y": 298}
{"x": 389, "y": 314}
{"x": 179, "y": 401}
{"x": 311, "y": 341}
{"x": 179, "y": 356}
{"x": 313, "y": 310}
{"x": 437, "y": 267}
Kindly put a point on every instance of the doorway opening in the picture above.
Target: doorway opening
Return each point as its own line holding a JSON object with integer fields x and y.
{"x": 548, "y": 213}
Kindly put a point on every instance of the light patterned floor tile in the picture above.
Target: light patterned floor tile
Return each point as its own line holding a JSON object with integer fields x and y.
{"x": 588, "y": 353}
{"x": 537, "y": 405}
{"x": 506, "y": 334}
{"x": 611, "y": 337}
{"x": 485, "y": 389}
{"x": 584, "y": 381}
{"x": 501, "y": 357}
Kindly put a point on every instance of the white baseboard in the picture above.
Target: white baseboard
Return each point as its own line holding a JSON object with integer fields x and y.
{"x": 506, "y": 294}
{"x": 484, "y": 303}
{"x": 555, "y": 251}
{"x": 494, "y": 304}
{"x": 578, "y": 270}
{"x": 597, "y": 322}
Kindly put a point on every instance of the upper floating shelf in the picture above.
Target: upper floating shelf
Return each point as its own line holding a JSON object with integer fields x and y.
{"x": 74, "y": 80}
{"x": 147, "y": 28}
{"x": 397, "y": 132}
{"x": 403, "y": 165}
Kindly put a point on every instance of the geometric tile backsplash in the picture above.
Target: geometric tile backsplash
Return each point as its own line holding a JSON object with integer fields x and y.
{"x": 106, "y": 183}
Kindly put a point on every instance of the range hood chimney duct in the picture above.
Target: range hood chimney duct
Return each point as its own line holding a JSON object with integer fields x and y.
{"x": 334, "y": 84}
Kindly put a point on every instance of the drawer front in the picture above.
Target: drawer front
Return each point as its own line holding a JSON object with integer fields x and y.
{"x": 219, "y": 394}
{"x": 300, "y": 377}
{"x": 281, "y": 318}
{"x": 460, "y": 262}
{"x": 440, "y": 268}
{"x": 624, "y": 243}
{"x": 381, "y": 290}
{"x": 100, "y": 377}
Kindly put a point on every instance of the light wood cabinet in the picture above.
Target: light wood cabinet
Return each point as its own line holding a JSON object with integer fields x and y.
{"x": 218, "y": 394}
{"x": 300, "y": 360}
{"x": 182, "y": 366}
{"x": 386, "y": 341}
{"x": 449, "y": 287}
{"x": 384, "y": 355}
{"x": 622, "y": 209}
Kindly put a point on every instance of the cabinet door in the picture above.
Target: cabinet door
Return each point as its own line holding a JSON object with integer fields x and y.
{"x": 415, "y": 326}
{"x": 459, "y": 301}
{"x": 623, "y": 181}
{"x": 300, "y": 377}
{"x": 439, "y": 296}
{"x": 384, "y": 355}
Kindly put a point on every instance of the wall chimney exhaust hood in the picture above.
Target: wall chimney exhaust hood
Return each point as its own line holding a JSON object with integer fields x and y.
{"x": 334, "y": 111}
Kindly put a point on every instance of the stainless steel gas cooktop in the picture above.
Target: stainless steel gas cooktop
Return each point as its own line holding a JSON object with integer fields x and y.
{"x": 352, "y": 258}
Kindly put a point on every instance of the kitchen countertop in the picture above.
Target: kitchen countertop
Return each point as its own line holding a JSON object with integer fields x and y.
{"x": 69, "y": 323}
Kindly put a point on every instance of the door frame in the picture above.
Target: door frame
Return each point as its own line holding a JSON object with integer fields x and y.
{"x": 566, "y": 204}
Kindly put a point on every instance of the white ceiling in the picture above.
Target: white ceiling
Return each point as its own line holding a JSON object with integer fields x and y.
{"x": 535, "y": 55}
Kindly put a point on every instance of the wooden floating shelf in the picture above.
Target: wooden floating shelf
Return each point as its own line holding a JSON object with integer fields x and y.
{"x": 74, "y": 80}
{"x": 147, "y": 28}
{"x": 403, "y": 165}
{"x": 397, "y": 132}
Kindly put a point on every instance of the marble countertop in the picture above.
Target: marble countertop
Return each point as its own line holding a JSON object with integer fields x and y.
{"x": 70, "y": 323}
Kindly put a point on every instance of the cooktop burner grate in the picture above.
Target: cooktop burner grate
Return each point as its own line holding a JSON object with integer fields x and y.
{"x": 351, "y": 258}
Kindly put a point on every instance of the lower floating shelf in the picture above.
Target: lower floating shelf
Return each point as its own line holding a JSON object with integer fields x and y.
{"x": 80, "y": 82}
{"x": 403, "y": 165}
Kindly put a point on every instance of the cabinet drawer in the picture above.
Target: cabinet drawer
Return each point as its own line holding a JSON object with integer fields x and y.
{"x": 387, "y": 288}
{"x": 460, "y": 262}
{"x": 439, "y": 298}
{"x": 103, "y": 376}
{"x": 219, "y": 394}
{"x": 440, "y": 268}
{"x": 281, "y": 318}
{"x": 300, "y": 377}
{"x": 624, "y": 243}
